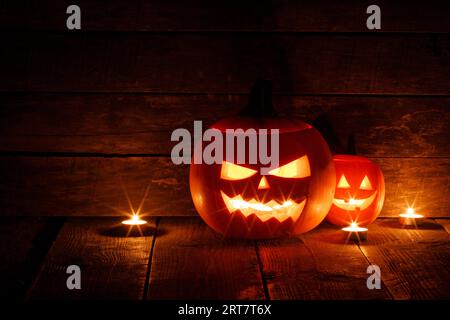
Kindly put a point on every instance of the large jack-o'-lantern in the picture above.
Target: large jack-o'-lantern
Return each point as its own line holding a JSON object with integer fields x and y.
{"x": 359, "y": 194}
{"x": 238, "y": 201}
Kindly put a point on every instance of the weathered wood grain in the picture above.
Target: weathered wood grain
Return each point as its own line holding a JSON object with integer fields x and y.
{"x": 422, "y": 183}
{"x": 414, "y": 263}
{"x": 113, "y": 265}
{"x": 316, "y": 265}
{"x": 142, "y": 124}
{"x": 224, "y": 63}
{"x": 23, "y": 245}
{"x": 222, "y": 15}
{"x": 445, "y": 223}
{"x": 190, "y": 261}
{"x": 95, "y": 186}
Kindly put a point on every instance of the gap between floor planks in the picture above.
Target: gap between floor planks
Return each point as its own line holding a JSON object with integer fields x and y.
{"x": 315, "y": 265}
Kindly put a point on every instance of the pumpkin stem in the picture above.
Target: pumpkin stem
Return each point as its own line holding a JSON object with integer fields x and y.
{"x": 260, "y": 101}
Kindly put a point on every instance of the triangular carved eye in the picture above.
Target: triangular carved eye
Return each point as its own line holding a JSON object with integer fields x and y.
{"x": 343, "y": 183}
{"x": 365, "y": 184}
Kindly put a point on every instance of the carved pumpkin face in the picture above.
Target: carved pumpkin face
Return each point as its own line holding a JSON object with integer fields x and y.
{"x": 237, "y": 201}
{"x": 359, "y": 194}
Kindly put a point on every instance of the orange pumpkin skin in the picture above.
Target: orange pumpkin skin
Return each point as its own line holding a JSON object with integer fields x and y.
{"x": 296, "y": 139}
{"x": 359, "y": 179}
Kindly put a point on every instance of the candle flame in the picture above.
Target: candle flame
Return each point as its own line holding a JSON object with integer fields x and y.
{"x": 134, "y": 221}
{"x": 353, "y": 227}
{"x": 411, "y": 214}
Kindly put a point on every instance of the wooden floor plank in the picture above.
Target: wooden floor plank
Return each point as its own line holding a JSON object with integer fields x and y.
{"x": 23, "y": 245}
{"x": 113, "y": 265}
{"x": 190, "y": 261}
{"x": 414, "y": 263}
{"x": 316, "y": 265}
{"x": 445, "y": 223}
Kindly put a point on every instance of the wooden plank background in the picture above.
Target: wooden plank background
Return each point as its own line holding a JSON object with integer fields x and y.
{"x": 123, "y": 124}
{"x": 85, "y": 115}
{"x": 93, "y": 186}
{"x": 225, "y": 63}
{"x": 228, "y": 15}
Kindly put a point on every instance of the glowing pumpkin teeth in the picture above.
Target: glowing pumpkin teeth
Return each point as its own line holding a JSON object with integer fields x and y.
{"x": 241, "y": 204}
{"x": 260, "y": 207}
{"x": 265, "y": 211}
{"x": 351, "y": 204}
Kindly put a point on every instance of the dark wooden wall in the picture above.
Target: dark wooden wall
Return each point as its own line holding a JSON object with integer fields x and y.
{"x": 85, "y": 115}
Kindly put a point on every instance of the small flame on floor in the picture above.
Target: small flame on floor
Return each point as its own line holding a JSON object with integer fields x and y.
{"x": 134, "y": 221}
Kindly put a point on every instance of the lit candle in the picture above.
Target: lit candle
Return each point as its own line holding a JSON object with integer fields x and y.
{"x": 355, "y": 233}
{"x": 411, "y": 218}
{"x": 134, "y": 221}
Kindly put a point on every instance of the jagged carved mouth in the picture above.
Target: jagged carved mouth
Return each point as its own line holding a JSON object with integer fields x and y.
{"x": 351, "y": 204}
{"x": 267, "y": 210}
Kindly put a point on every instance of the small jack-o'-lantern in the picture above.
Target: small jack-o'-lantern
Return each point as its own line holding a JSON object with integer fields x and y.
{"x": 359, "y": 194}
{"x": 237, "y": 200}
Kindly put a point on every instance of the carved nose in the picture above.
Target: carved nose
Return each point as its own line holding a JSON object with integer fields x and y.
{"x": 263, "y": 183}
